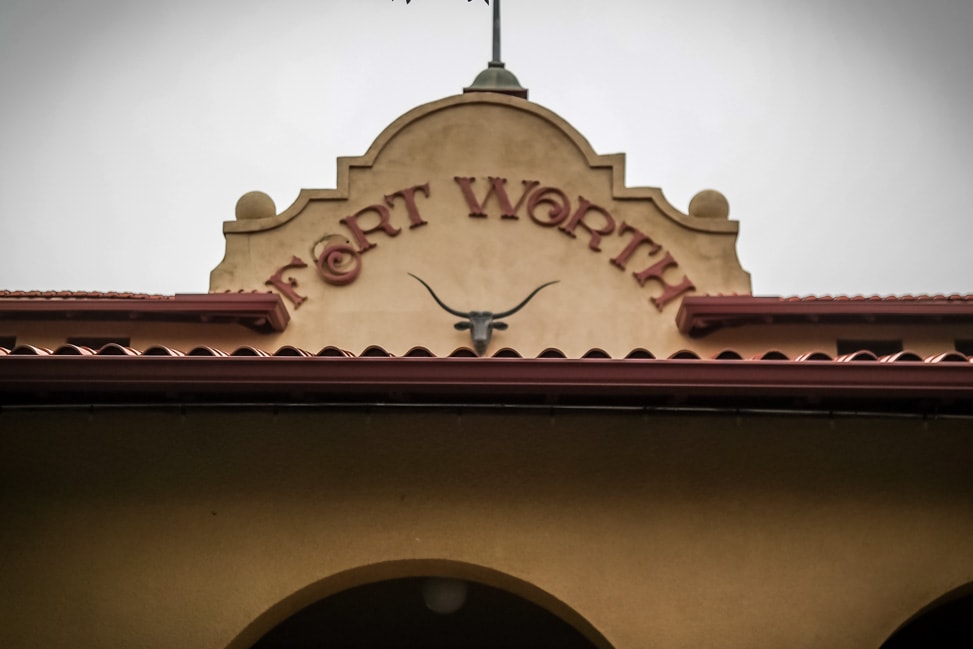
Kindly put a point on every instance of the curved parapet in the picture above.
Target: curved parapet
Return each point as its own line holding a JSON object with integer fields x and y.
{"x": 615, "y": 163}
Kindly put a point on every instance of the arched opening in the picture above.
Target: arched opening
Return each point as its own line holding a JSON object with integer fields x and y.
{"x": 396, "y": 614}
{"x": 946, "y": 623}
{"x": 411, "y": 604}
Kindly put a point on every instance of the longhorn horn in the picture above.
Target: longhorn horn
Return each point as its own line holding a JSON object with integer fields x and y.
{"x": 440, "y": 302}
{"x": 497, "y": 316}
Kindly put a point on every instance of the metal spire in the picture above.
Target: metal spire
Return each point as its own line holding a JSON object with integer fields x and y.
{"x": 496, "y": 78}
{"x": 496, "y": 31}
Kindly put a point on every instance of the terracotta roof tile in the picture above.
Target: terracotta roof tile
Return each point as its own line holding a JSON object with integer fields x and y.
{"x": 81, "y": 295}
{"x": 684, "y": 355}
{"x": 639, "y": 354}
{"x": 772, "y": 355}
{"x": 114, "y": 349}
{"x": 30, "y": 350}
{"x": 596, "y": 353}
{"x": 330, "y": 352}
{"x": 419, "y": 352}
{"x": 249, "y": 351}
{"x": 262, "y": 311}
{"x": 813, "y": 356}
{"x": 73, "y": 350}
{"x": 161, "y": 350}
{"x": 700, "y": 315}
{"x": 902, "y": 357}
{"x": 939, "y": 297}
{"x": 862, "y": 355}
{"x": 375, "y": 351}
{"x": 203, "y": 350}
{"x": 948, "y": 357}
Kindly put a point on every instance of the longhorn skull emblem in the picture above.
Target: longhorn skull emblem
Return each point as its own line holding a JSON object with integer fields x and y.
{"x": 481, "y": 323}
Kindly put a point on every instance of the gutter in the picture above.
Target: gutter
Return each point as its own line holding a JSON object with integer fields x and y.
{"x": 884, "y": 387}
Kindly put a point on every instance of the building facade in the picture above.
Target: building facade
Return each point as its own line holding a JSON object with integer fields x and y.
{"x": 484, "y": 394}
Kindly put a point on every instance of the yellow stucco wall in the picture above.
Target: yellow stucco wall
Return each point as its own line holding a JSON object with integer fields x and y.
{"x": 205, "y": 527}
{"x": 199, "y": 528}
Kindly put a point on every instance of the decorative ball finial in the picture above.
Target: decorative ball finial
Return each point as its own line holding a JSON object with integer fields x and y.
{"x": 709, "y": 204}
{"x": 255, "y": 205}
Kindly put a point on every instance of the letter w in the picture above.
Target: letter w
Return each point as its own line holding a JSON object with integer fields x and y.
{"x": 498, "y": 187}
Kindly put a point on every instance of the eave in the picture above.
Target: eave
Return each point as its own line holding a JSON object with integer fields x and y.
{"x": 262, "y": 312}
{"x": 701, "y": 315}
{"x": 928, "y": 388}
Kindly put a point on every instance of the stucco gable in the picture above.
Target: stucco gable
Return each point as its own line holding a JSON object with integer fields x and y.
{"x": 485, "y": 197}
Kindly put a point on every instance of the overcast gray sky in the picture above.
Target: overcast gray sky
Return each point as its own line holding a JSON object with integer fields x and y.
{"x": 840, "y": 131}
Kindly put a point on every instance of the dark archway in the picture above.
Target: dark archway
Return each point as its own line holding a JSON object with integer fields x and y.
{"x": 946, "y": 623}
{"x": 394, "y": 614}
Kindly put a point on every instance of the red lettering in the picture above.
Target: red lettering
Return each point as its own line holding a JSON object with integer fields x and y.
{"x": 669, "y": 291}
{"x": 558, "y": 201}
{"x": 498, "y": 188}
{"x": 638, "y": 239}
{"x": 351, "y": 222}
{"x": 333, "y": 261}
{"x": 409, "y": 196}
{"x": 286, "y": 287}
{"x": 584, "y": 207}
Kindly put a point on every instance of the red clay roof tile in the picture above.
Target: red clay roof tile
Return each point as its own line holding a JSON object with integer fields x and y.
{"x": 374, "y": 351}
{"x": 332, "y": 352}
{"x": 703, "y": 314}
{"x": 81, "y": 295}
{"x": 264, "y": 312}
{"x": 419, "y": 352}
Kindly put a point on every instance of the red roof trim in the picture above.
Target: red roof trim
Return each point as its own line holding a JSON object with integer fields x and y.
{"x": 264, "y": 312}
{"x": 700, "y": 315}
{"x": 640, "y": 353}
{"x": 940, "y": 387}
